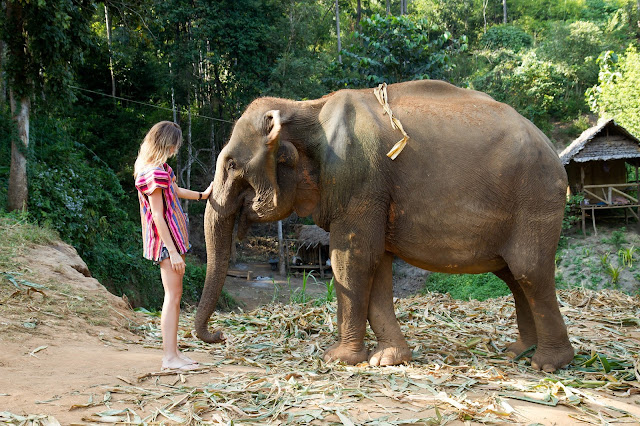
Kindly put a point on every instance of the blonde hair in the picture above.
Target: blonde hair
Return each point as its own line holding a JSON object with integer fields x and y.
{"x": 158, "y": 146}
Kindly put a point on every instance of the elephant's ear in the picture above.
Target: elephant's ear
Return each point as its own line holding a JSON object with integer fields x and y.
{"x": 272, "y": 127}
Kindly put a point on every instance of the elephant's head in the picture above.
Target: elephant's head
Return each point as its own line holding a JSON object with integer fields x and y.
{"x": 256, "y": 180}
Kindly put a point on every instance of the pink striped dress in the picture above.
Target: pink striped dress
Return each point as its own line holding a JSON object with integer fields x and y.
{"x": 147, "y": 182}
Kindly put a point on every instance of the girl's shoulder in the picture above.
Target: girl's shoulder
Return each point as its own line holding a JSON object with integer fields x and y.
{"x": 153, "y": 177}
{"x": 152, "y": 170}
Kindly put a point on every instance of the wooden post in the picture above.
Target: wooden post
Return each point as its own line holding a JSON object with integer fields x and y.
{"x": 593, "y": 219}
{"x": 320, "y": 260}
{"x": 637, "y": 177}
{"x": 281, "y": 248}
{"x": 584, "y": 227}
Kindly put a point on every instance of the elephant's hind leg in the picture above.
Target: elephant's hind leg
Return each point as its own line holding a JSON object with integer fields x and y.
{"x": 537, "y": 282}
{"x": 526, "y": 323}
{"x": 392, "y": 348}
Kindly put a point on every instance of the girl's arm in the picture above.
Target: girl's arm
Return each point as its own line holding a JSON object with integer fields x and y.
{"x": 193, "y": 195}
{"x": 157, "y": 212}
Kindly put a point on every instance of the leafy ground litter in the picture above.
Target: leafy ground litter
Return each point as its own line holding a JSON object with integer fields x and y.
{"x": 458, "y": 373}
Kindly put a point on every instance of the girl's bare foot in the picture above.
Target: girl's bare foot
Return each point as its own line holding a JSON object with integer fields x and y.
{"x": 186, "y": 358}
{"x": 178, "y": 363}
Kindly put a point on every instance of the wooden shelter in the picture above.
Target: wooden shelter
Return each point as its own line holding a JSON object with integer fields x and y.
{"x": 596, "y": 164}
{"x": 309, "y": 250}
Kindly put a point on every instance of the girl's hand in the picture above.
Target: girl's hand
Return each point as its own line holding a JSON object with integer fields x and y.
{"x": 207, "y": 192}
{"x": 177, "y": 262}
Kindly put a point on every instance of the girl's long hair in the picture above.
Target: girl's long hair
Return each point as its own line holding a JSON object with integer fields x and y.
{"x": 157, "y": 146}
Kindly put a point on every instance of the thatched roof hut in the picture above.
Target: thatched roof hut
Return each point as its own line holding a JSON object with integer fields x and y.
{"x": 596, "y": 164}
{"x": 309, "y": 250}
{"x": 606, "y": 141}
{"x": 312, "y": 236}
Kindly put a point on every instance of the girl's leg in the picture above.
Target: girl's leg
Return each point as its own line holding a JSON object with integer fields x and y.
{"x": 172, "y": 283}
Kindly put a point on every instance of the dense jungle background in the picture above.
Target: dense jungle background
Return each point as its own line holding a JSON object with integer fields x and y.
{"x": 84, "y": 81}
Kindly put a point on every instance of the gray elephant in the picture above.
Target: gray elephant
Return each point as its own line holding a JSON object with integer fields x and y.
{"x": 477, "y": 188}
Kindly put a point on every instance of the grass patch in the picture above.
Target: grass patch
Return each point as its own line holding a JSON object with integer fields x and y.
{"x": 466, "y": 286}
{"x": 16, "y": 232}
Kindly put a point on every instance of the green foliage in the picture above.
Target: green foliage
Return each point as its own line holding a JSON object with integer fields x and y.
{"x": 395, "y": 48}
{"x": 618, "y": 238}
{"x": 597, "y": 10}
{"x": 298, "y": 77}
{"x": 330, "y": 295}
{"x": 300, "y": 295}
{"x": 571, "y": 211}
{"x": 576, "y": 45}
{"x": 506, "y": 37}
{"x": 538, "y": 89}
{"x": 614, "y": 273}
{"x": 626, "y": 256}
{"x": 617, "y": 93}
{"x": 44, "y": 41}
{"x": 300, "y": 71}
{"x": 465, "y": 287}
{"x": 459, "y": 17}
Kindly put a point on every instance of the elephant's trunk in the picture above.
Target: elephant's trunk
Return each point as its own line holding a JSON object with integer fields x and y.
{"x": 218, "y": 235}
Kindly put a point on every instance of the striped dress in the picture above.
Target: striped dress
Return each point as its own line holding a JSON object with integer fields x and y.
{"x": 147, "y": 182}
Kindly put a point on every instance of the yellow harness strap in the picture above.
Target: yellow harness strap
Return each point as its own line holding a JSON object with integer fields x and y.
{"x": 381, "y": 95}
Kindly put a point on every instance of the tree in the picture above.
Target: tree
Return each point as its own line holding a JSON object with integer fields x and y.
{"x": 397, "y": 48}
{"x": 617, "y": 94}
{"x": 504, "y": 11}
{"x": 338, "y": 32}
{"x": 301, "y": 68}
{"x": 43, "y": 41}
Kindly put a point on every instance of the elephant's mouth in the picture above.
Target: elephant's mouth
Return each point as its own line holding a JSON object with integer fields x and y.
{"x": 257, "y": 207}
{"x": 243, "y": 221}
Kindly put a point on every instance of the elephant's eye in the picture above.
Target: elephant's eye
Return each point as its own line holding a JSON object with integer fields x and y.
{"x": 231, "y": 165}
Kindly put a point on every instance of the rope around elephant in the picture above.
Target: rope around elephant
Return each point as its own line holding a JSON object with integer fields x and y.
{"x": 381, "y": 94}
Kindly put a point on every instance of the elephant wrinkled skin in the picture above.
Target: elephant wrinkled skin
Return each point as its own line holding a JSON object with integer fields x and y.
{"x": 478, "y": 188}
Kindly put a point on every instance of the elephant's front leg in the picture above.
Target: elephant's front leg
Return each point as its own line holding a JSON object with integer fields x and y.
{"x": 392, "y": 347}
{"x": 355, "y": 253}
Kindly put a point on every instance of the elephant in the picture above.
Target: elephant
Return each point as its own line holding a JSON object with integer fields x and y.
{"x": 477, "y": 188}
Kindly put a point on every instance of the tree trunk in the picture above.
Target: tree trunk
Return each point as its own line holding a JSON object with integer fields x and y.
{"x": 504, "y": 11}
{"x": 358, "y": 14}
{"x": 18, "y": 189}
{"x": 107, "y": 19}
{"x": 187, "y": 183}
{"x": 389, "y": 7}
{"x": 485, "y": 3}
{"x": 3, "y": 81}
{"x": 338, "y": 32}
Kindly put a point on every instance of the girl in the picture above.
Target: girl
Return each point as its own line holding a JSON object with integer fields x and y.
{"x": 164, "y": 228}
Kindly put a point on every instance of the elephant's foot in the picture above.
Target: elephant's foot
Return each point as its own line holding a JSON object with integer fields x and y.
{"x": 517, "y": 348}
{"x": 549, "y": 360}
{"x": 343, "y": 353}
{"x": 389, "y": 354}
